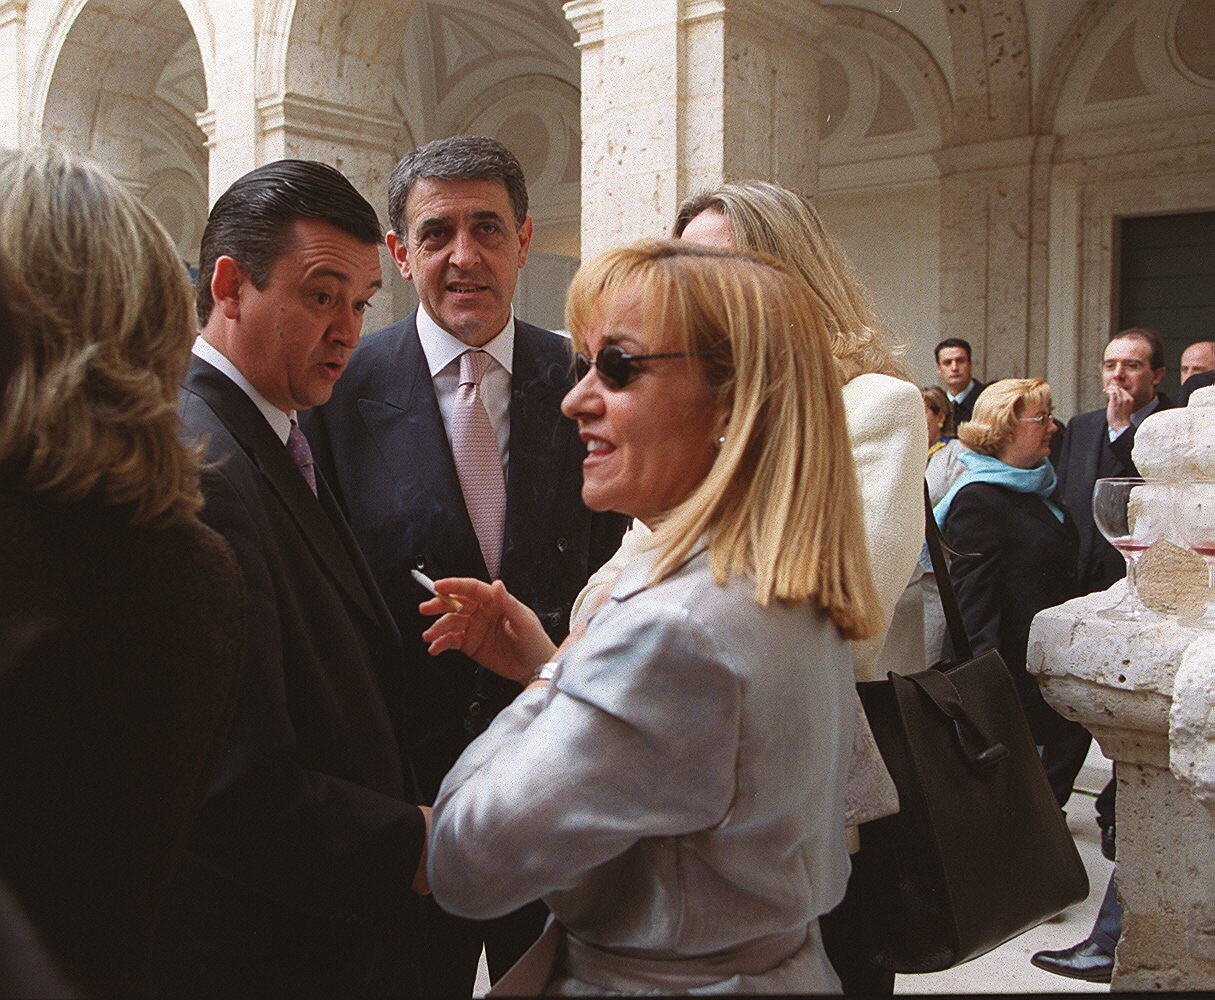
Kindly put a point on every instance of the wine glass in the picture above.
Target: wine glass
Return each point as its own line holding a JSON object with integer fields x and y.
{"x": 1194, "y": 518}
{"x": 1131, "y": 526}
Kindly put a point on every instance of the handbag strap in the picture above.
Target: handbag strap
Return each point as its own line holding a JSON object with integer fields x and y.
{"x": 959, "y": 640}
{"x": 978, "y": 750}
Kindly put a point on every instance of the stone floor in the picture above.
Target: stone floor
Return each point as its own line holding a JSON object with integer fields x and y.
{"x": 1007, "y": 969}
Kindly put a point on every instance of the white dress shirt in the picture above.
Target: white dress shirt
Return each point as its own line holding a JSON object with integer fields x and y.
{"x": 278, "y": 420}
{"x": 443, "y": 352}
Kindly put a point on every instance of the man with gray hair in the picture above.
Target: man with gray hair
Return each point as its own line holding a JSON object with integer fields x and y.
{"x": 447, "y": 446}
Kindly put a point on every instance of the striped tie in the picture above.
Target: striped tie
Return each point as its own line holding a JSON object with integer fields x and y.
{"x": 297, "y": 447}
{"x": 478, "y": 461}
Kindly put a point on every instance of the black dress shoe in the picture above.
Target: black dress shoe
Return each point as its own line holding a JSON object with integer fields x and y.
{"x": 1086, "y": 960}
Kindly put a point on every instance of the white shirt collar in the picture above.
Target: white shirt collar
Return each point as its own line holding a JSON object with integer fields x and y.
{"x": 279, "y": 421}
{"x": 441, "y": 348}
{"x": 962, "y": 395}
{"x": 1145, "y": 411}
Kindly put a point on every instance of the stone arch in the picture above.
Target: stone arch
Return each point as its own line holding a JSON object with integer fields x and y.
{"x": 1134, "y": 62}
{"x": 124, "y": 82}
{"x": 883, "y": 94}
{"x": 509, "y": 70}
{"x": 345, "y": 52}
{"x": 453, "y": 56}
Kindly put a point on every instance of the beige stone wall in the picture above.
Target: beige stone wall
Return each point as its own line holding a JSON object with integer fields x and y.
{"x": 974, "y": 158}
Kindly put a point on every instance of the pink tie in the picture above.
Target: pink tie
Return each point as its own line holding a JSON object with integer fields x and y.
{"x": 297, "y": 445}
{"x": 478, "y": 461}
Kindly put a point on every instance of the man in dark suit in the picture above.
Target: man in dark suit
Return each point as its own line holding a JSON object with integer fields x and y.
{"x": 1202, "y": 380}
{"x": 1098, "y": 445}
{"x": 954, "y": 368}
{"x": 1197, "y": 363}
{"x": 298, "y": 881}
{"x": 391, "y": 439}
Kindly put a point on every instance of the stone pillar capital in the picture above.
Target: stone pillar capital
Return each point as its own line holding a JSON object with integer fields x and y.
{"x": 586, "y": 17}
{"x": 12, "y": 11}
{"x": 788, "y": 22}
{"x": 1020, "y": 151}
{"x": 305, "y": 116}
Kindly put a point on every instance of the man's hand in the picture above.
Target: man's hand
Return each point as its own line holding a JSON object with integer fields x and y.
{"x": 1120, "y": 406}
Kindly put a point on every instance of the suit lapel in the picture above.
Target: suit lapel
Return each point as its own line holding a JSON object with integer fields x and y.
{"x": 320, "y": 523}
{"x": 399, "y": 410}
{"x": 542, "y": 441}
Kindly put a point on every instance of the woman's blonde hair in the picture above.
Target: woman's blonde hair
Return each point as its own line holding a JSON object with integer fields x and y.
{"x": 780, "y": 502}
{"x": 996, "y": 411}
{"x": 102, "y": 322}
{"x": 770, "y": 219}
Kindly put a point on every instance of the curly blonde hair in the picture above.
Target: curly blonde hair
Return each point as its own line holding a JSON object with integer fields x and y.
{"x": 770, "y": 219}
{"x": 996, "y": 411}
{"x": 101, "y": 321}
{"x": 780, "y": 502}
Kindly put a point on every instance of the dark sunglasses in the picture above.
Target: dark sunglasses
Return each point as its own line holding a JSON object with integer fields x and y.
{"x": 616, "y": 368}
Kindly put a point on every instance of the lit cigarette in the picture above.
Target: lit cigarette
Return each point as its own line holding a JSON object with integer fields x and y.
{"x": 429, "y": 584}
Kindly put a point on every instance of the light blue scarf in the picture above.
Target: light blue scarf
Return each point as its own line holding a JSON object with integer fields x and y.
{"x": 1039, "y": 480}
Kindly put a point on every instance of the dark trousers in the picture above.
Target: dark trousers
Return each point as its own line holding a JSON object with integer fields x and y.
{"x": 845, "y": 933}
{"x": 453, "y": 946}
{"x": 1107, "y": 928}
{"x": 1063, "y": 754}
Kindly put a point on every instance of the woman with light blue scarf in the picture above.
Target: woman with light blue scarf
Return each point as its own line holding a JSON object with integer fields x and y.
{"x": 1017, "y": 547}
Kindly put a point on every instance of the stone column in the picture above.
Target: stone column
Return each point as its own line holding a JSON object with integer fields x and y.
{"x": 12, "y": 71}
{"x": 681, "y": 94}
{"x": 1146, "y": 691}
{"x": 230, "y": 123}
{"x": 994, "y": 223}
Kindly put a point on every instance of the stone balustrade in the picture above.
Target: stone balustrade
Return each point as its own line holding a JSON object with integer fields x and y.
{"x": 1146, "y": 691}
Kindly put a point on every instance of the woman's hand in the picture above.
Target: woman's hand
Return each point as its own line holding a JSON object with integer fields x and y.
{"x": 492, "y": 627}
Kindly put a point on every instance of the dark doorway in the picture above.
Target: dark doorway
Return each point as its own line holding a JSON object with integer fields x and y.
{"x": 1167, "y": 281}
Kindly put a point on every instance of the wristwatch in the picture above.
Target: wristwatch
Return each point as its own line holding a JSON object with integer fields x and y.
{"x": 544, "y": 672}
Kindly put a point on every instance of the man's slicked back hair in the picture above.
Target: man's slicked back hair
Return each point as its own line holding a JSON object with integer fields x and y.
{"x": 952, "y": 342}
{"x": 251, "y": 222}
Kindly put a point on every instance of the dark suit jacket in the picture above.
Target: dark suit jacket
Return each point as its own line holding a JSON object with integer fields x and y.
{"x": 1086, "y": 455}
{"x": 26, "y": 969}
{"x": 119, "y": 651}
{"x": 1015, "y": 558}
{"x": 381, "y": 440}
{"x": 964, "y": 410}
{"x": 1198, "y": 381}
{"x": 307, "y": 844}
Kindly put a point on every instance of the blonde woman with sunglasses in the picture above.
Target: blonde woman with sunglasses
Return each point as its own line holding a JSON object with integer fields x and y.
{"x": 672, "y": 785}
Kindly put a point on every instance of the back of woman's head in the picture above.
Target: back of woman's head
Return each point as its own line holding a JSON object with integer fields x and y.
{"x": 936, "y": 400}
{"x": 780, "y": 502}
{"x": 100, "y": 309}
{"x": 770, "y": 219}
{"x": 996, "y": 411}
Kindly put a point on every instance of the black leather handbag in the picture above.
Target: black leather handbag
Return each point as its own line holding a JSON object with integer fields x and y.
{"x": 979, "y": 850}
